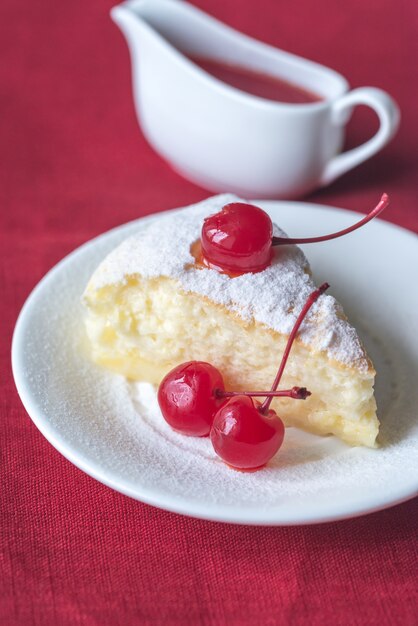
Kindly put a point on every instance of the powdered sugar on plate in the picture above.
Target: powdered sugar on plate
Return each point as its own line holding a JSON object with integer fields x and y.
{"x": 273, "y": 297}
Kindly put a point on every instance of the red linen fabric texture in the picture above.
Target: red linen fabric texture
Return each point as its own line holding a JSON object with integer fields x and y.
{"x": 74, "y": 164}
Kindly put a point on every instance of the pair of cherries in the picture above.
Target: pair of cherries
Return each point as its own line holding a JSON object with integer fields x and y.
{"x": 245, "y": 433}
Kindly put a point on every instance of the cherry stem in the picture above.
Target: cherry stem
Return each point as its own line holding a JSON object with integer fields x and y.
{"x": 297, "y": 393}
{"x": 309, "y": 302}
{"x": 384, "y": 201}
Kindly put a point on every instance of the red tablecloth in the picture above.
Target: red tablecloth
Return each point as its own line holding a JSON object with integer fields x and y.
{"x": 74, "y": 164}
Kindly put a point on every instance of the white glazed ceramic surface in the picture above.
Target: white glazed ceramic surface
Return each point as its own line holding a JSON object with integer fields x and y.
{"x": 312, "y": 479}
{"x": 223, "y": 138}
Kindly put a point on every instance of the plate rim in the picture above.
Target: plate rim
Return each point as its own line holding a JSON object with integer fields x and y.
{"x": 178, "y": 504}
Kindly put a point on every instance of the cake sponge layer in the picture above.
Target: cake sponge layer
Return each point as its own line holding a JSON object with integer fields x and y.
{"x": 143, "y": 327}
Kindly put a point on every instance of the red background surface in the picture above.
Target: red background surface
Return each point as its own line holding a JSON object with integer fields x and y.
{"x": 74, "y": 164}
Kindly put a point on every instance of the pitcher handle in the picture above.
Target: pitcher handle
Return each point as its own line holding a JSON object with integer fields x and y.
{"x": 388, "y": 113}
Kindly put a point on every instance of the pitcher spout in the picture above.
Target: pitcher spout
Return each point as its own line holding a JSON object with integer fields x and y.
{"x": 128, "y": 21}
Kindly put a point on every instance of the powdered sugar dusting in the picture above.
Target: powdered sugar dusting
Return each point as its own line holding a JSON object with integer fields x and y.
{"x": 273, "y": 297}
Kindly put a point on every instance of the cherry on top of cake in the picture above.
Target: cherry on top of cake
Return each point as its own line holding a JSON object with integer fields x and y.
{"x": 239, "y": 238}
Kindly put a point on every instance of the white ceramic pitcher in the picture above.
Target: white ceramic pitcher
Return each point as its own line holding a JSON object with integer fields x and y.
{"x": 225, "y": 139}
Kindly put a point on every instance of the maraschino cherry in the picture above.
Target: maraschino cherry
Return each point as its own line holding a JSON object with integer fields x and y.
{"x": 245, "y": 434}
{"x": 239, "y": 238}
{"x": 187, "y": 397}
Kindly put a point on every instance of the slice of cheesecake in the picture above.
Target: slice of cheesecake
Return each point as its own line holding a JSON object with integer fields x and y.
{"x": 150, "y": 306}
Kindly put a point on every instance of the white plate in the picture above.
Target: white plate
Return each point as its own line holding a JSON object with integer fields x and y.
{"x": 94, "y": 419}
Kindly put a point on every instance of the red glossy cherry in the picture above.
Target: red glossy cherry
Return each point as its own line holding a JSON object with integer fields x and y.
{"x": 244, "y": 437}
{"x": 238, "y": 238}
{"x": 187, "y": 397}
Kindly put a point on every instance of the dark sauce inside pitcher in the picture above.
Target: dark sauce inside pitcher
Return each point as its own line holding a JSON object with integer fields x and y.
{"x": 256, "y": 83}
